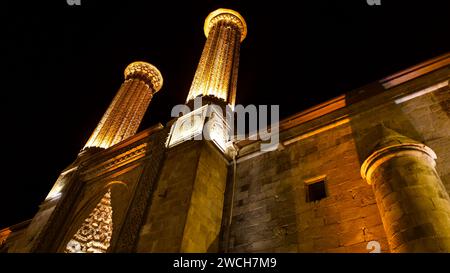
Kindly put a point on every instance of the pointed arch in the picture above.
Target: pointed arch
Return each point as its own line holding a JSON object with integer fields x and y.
{"x": 94, "y": 235}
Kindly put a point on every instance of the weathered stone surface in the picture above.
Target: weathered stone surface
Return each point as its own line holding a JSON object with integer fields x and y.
{"x": 272, "y": 184}
{"x": 275, "y": 197}
{"x": 186, "y": 210}
{"x": 417, "y": 214}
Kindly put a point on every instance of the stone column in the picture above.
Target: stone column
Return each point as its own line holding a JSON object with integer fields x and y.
{"x": 413, "y": 203}
{"x": 122, "y": 119}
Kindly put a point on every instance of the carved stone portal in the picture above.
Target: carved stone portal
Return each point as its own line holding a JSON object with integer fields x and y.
{"x": 95, "y": 233}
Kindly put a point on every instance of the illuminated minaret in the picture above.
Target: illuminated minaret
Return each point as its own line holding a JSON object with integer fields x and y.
{"x": 215, "y": 79}
{"x": 122, "y": 119}
{"x": 217, "y": 70}
{"x": 195, "y": 170}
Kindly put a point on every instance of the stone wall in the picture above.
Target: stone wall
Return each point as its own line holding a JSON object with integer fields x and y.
{"x": 270, "y": 212}
{"x": 425, "y": 118}
{"x": 270, "y": 208}
{"x": 186, "y": 210}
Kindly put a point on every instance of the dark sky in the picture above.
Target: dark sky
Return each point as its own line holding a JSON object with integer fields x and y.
{"x": 65, "y": 63}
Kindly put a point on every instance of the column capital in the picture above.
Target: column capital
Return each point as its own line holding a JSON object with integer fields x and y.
{"x": 391, "y": 145}
{"x": 145, "y": 71}
{"x": 226, "y": 15}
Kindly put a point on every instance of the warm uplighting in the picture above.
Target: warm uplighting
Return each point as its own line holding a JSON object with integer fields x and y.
{"x": 225, "y": 14}
{"x": 122, "y": 119}
{"x": 216, "y": 73}
{"x": 95, "y": 233}
{"x": 147, "y": 71}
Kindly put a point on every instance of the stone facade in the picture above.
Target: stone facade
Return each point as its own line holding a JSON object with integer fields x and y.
{"x": 331, "y": 141}
{"x": 382, "y": 153}
{"x": 188, "y": 201}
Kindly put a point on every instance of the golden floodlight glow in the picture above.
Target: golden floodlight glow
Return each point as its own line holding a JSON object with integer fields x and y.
{"x": 216, "y": 73}
{"x": 94, "y": 235}
{"x": 123, "y": 116}
{"x": 147, "y": 71}
{"x": 225, "y": 14}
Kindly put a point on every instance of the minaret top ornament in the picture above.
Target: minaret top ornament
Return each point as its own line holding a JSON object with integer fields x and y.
{"x": 226, "y": 15}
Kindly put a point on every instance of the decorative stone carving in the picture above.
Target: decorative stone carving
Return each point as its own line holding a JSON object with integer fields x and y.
{"x": 122, "y": 118}
{"x": 228, "y": 16}
{"x": 216, "y": 74}
{"x": 117, "y": 161}
{"x": 203, "y": 123}
{"x": 142, "y": 198}
{"x": 145, "y": 71}
{"x": 95, "y": 233}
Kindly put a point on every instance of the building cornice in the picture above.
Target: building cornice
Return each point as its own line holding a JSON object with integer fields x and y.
{"x": 338, "y": 111}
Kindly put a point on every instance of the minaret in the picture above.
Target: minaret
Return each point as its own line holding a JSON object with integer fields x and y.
{"x": 217, "y": 70}
{"x": 122, "y": 119}
{"x": 186, "y": 214}
{"x": 214, "y": 82}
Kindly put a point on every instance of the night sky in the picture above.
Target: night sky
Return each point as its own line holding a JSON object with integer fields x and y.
{"x": 63, "y": 64}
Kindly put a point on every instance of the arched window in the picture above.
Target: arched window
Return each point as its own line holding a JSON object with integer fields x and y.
{"x": 94, "y": 235}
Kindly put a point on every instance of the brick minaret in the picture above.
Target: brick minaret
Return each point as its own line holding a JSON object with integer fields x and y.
{"x": 217, "y": 70}
{"x": 193, "y": 179}
{"x": 122, "y": 119}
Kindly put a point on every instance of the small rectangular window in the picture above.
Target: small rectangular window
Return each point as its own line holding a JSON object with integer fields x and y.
{"x": 315, "y": 189}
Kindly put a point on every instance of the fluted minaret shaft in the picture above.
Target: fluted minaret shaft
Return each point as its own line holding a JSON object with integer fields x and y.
{"x": 123, "y": 117}
{"x": 216, "y": 73}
